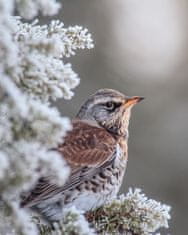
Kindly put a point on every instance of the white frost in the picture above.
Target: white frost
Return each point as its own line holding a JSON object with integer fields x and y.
{"x": 32, "y": 73}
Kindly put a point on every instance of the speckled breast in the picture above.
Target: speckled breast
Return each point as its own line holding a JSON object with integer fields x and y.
{"x": 104, "y": 185}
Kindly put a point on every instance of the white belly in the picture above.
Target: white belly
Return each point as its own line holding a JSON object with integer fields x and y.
{"x": 87, "y": 201}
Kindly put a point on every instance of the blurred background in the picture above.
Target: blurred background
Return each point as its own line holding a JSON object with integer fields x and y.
{"x": 141, "y": 49}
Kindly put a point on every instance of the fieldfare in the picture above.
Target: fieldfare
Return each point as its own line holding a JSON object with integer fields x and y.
{"x": 96, "y": 151}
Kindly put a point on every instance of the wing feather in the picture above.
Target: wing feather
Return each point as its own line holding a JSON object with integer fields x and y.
{"x": 86, "y": 148}
{"x": 87, "y": 145}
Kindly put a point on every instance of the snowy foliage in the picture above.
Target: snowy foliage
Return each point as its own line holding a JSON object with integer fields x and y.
{"x": 43, "y": 73}
{"x": 15, "y": 221}
{"x": 32, "y": 73}
{"x": 30, "y": 8}
{"x": 132, "y": 213}
{"x": 73, "y": 222}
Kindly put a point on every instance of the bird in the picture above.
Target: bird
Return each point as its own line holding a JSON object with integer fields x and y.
{"x": 96, "y": 150}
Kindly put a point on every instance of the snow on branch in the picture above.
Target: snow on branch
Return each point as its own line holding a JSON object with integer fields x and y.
{"x": 32, "y": 72}
{"x": 28, "y": 9}
{"x": 130, "y": 214}
{"x": 42, "y": 72}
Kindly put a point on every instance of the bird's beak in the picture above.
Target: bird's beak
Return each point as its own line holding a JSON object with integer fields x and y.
{"x": 130, "y": 101}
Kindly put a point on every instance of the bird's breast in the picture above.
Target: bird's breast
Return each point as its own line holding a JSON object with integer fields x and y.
{"x": 104, "y": 185}
{"x": 109, "y": 179}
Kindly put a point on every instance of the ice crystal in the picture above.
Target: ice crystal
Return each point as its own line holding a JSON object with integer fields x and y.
{"x": 42, "y": 72}
{"x": 74, "y": 222}
{"x": 30, "y": 8}
{"x": 32, "y": 73}
{"x": 132, "y": 213}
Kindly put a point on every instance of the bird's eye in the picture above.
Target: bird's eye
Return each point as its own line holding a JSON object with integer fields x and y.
{"x": 110, "y": 105}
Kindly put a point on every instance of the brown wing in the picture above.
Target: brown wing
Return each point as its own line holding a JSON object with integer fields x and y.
{"x": 86, "y": 148}
{"x": 87, "y": 145}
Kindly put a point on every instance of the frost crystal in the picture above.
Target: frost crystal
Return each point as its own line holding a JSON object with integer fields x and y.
{"x": 74, "y": 222}
{"x": 132, "y": 213}
{"x": 32, "y": 73}
{"x": 42, "y": 72}
{"x": 30, "y": 8}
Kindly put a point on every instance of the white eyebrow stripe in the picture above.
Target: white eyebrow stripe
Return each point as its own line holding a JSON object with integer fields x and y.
{"x": 108, "y": 99}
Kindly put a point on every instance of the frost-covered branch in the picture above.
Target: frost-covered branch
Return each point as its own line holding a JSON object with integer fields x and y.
{"x": 72, "y": 223}
{"x": 130, "y": 214}
{"x": 133, "y": 213}
{"x": 32, "y": 72}
{"x": 43, "y": 73}
{"x": 31, "y": 8}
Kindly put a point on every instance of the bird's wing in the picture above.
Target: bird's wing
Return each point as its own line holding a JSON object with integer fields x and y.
{"x": 86, "y": 148}
{"x": 87, "y": 145}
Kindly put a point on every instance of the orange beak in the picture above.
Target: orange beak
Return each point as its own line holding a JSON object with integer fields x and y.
{"x": 130, "y": 101}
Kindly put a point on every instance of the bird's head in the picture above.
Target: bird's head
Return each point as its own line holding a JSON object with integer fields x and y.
{"x": 110, "y": 109}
